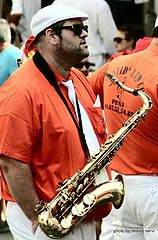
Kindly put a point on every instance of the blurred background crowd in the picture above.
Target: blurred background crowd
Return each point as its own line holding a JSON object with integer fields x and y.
{"x": 114, "y": 25}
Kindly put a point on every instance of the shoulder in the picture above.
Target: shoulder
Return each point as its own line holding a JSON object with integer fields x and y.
{"x": 23, "y": 79}
{"x": 99, "y": 74}
{"x": 14, "y": 50}
{"x": 77, "y": 74}
{"x": 80, "y": 79}
{"x": 11, "y": 54}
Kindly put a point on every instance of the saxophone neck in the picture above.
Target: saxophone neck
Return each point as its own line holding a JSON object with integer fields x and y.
{"x": 137, "y": 92}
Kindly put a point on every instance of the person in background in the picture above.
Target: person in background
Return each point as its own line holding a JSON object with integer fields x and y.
{"x": 43, "y": 139}
{"x": 8, "y": 52}
{"x": 20, "y": 17}
{"x": 84, "y": 66}
{"x": 106, "y": 225}
{"x": 137, "y": 158}
{"x": 6, "y": 10}
{"x": 102, "y": 29}
{"x": 126, "y": 38}
{"x": 22, "y": 13}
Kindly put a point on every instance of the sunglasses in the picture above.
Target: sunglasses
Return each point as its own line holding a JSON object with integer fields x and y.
{"x": 81, "y": 65}
{"x": 76, "y": 28}
{"x": 118, "y": 39}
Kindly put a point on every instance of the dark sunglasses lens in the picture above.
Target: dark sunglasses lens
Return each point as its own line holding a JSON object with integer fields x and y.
{"x": 118, "y": 39}
{"x": 85, "y": 28}
{"x": 87, "y": 64}
{"x": 78, "y": 29}
{"x": 80, "y": 65}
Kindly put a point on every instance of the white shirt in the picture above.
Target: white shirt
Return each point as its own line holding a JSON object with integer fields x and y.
{"x": 27, "y": 8}
{"x": 90, "y": 136}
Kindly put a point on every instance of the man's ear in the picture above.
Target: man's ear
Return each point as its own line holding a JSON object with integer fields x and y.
{"x": 51, "y": 36}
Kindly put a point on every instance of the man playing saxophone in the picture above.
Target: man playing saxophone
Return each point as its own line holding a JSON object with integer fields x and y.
{"x": 48, "y": 132}
{"x": 137, "y": 219}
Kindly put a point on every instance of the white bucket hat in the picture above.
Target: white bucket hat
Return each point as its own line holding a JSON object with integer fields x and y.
{"x": 54, "y": 13}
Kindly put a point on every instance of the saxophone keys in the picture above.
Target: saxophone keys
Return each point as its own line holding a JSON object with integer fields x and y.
{"x": 86, "y": 181}
{"x": 66, "y": 222}
{"x": 84, "y": 206}
{"x": 53, "y": 222}
{"x": 78, "y": 210}
{"x": 79, "y": 189}
{"x": 89, "y": 199}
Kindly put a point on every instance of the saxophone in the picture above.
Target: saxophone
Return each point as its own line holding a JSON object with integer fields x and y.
{"x": 76, "y": 197}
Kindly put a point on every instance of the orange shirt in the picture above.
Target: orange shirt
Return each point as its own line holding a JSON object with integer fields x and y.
{"x": 139, "y": 152}
{"x": 36, "y": 127}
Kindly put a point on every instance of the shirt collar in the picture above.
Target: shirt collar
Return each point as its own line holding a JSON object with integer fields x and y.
{"x": 59, "y": 78}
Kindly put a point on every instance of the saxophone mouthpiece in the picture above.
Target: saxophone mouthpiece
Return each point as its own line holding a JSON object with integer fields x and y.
{"x": 112, "y": 78}
{"x": 109, "y": 75}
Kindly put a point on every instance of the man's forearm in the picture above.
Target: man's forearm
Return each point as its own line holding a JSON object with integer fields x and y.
{"x": 20, "y": 183}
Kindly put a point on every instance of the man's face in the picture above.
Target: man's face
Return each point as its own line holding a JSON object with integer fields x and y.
{"x": 83, "y": 66}
{"x": 72, "y": 42}
{"x": 120, "y": 42}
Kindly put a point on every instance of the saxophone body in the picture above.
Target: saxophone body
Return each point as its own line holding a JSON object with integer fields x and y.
{"x": 78, "y": 194}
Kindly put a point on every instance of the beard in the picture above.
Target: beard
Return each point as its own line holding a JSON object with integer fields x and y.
{"x": 72, "y": 52}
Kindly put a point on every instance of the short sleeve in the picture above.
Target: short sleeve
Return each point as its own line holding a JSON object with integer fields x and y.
{"x": 16, "y": 121}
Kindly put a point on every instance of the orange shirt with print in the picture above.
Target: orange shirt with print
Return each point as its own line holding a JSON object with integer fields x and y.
{"x": 139, "y": 152}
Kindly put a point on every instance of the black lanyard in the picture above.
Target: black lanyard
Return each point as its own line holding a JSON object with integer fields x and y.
{"x": 42, "y": 65}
